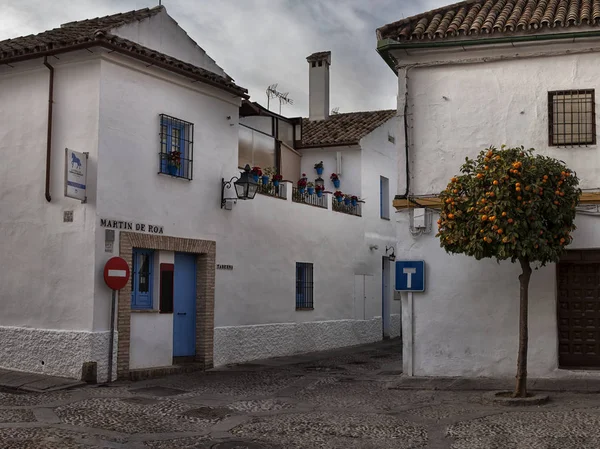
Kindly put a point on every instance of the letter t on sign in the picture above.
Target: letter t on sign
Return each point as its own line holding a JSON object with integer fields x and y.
{"x": 409, "y": 272}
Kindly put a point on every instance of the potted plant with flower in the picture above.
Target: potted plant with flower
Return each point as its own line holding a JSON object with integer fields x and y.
{"x": 336, "y": 180}
{"x": 347, "y": 199}
{"x": 319, "y": 168}
{"x": 256, "y": 173}
{"x": 319, "y": 188}
{"x": 310, "y": 187}
{"x": 173, "y": 159}
{"x": 277, "y": 179}
{"x": 354, "y": 200}
{"x": 302, "y": 184}
{"x": 269, "y": 171}
{"x": 339, "y": 196}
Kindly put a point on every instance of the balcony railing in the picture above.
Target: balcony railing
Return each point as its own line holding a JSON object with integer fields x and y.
{"x": 271, "y": 190}
{"x": 305, "y": 198}
{"x": 347, "y": 208}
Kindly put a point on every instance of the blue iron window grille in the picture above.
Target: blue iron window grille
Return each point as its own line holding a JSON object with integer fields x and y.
{"x": 304, "y": 286}
{"x": 141, "y": 279}
{"x": 176, "y": 147}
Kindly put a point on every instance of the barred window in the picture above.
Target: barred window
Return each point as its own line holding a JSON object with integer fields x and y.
{"x": 304, "y": 286}
{"x": 572, "y": 117}
{"x": 176, "y": 147}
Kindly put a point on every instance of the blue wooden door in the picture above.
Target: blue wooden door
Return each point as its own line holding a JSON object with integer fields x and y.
{"x": 184, "y": 305}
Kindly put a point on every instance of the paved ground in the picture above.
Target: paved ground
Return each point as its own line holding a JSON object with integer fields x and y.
{"x": 348, "y": 400}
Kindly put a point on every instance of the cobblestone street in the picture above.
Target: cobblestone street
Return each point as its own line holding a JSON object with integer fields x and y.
{"x": 344, "y": 401}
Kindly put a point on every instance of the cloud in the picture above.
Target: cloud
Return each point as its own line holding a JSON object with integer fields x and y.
{"x": 261, "y": 42}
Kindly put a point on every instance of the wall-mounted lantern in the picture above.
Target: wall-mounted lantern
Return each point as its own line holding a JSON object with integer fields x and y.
{"x": 391, "y": 256}
{"x": 245, "y": 188}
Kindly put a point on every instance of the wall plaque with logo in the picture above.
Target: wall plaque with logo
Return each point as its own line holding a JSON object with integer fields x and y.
{"x": 76, "y": 175}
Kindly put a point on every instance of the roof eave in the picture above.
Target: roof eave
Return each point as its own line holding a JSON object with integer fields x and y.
{"x": 327, "y": 145}
{"x": 385, "y": 46}
{"x": 240, "y": 91}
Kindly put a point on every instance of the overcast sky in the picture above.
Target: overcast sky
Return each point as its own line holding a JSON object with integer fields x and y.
{"x": 262, "y": 42}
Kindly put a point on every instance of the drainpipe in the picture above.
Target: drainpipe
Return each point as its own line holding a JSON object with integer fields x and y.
{"x": 49, "y": 136}
{"x": 406, "y": 142}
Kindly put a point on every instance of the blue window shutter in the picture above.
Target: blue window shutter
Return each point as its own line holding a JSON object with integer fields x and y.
{"x": 380, "y": 196}
{"x": 141, "y": 294}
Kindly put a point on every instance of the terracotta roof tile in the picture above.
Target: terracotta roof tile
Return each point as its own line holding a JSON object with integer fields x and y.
{"x": 487, "y": 17}
{"x": 340, "y": 129}
{"x": 95, "y": 32}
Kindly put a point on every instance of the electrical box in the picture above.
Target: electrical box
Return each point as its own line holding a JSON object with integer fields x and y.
{"x": 419, "y": 217}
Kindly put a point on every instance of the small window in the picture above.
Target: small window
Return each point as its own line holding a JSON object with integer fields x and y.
{"x": 572, "y": 117}
{"x": 176, "y": 147}
{"x": 384, "y": 197}
{"x": 141, "y": 279}
{"x": 304, "y": 286}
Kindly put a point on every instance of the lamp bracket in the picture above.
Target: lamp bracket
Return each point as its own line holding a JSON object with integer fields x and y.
{"x": 227, "y": 184}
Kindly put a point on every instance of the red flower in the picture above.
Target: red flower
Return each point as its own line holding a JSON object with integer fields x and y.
{"x": 338, "y": 194}
{"x": 319, "y": 187}
{"x": 334, "y": 176}
{"x": 256, "y": 171}
{"x": 302, "y": 183}
{"x": 277, "y": 178}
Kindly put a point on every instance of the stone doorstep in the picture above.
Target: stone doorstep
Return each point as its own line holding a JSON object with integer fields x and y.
{"x": 36, "y": 383}
{"x": 485, "y": 384}
{"x": 162, "y": 371}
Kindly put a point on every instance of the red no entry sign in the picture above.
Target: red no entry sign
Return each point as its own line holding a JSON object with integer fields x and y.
{"x": 116, "y": 273}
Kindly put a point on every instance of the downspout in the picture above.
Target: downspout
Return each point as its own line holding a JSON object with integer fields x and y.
{"x": 49, "y": 134}
{"x": 406, "y": 143}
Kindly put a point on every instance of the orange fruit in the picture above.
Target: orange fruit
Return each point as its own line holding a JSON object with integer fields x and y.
{"x": 495, "y": 183}
{"x": 545, "y": 176}
{"x": 519, "y": 198}
{"x": 504, "y": 214}
{"x": 485, "y": 167}
{"x": 479, "y": 175}
{"x": 500, "y": 231}
{"x": 562, "y": 193}
{"x": 454, "y": 179}
{"x": 518, "y": 189}
{"x": 557, "y": 203}
{"x": 510, "y": 220}
{"x": 455, "y": 191}
{"x": 518, "y": 184}
{"x": 505, "y": 240}
{"x": 484, "y": 218}
{"x": 451, "y": 216}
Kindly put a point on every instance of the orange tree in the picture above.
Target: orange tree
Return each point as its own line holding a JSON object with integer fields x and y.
{"x": 511, "y": 204}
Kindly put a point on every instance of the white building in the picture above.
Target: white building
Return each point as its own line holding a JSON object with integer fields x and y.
{"x": 471, "y": 75}
{"x": 210, "y": 285}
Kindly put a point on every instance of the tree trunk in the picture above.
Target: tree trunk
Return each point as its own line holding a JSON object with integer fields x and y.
{"x": 521, "y": 387}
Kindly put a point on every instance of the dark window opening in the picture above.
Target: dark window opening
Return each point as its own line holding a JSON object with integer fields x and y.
{"x": 572, "y": 117}
{"x": 304, "y": 286}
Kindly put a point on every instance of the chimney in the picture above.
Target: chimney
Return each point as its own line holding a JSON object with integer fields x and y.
{"x": 318, "y": 85}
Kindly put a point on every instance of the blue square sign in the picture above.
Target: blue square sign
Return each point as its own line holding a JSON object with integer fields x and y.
{"x": 410, "y": 275}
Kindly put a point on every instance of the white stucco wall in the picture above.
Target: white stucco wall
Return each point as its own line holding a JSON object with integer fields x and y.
{"x": 162, "y": 33}
{"x": 350, "y": 173}
{"x": 466, "y": 323}
{"x": 48, "y": 265}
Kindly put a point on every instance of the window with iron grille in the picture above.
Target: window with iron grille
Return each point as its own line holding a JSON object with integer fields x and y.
{"x": 304, "y": 286}
{"x": 176, "y": 147}
{"x": 572, "y": 117}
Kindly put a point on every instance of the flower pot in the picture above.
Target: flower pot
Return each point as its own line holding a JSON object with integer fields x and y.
{"x": 172, "y": 169}
{"x": 319, "y": 171}
{"x": 346, "y": 201}
{"x": 255, "y": 177}
{"x": 336, "y": 183}
{"x": 339, "y": 199}
{"x": 275, "y": 183}
{"x": 265, "y": 180}
{"x": 311, "y": 190}
{"x": 319, "y": 193}
{"x": 301, "y": 190}
{"x": 353, "y": 202}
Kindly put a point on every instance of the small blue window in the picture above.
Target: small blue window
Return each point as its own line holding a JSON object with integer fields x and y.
{"x": 176, "y": 147}
{"x": 141, "y": 279}
{"x": 384, "y": 197}
{"x": 304, "y": 286}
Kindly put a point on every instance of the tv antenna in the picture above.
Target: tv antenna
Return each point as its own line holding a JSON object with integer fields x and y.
{"x": 335, "y": 110}
{"x": 272, "y": 92}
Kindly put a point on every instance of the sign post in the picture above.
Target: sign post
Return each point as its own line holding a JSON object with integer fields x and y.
{"x": 116, "y": 276}
{"x": 410, "y": 277}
